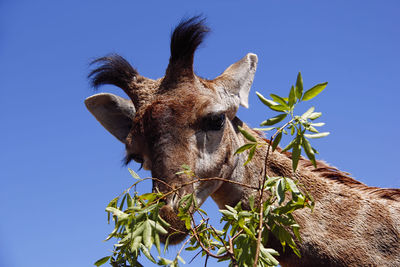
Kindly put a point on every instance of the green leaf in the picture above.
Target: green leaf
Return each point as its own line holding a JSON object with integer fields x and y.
{"x": 146, "y": 252}
{"x": 271, "y": 104}
{"x": 251, "y": 154}
{"x": 266, "y": 101}
{"x": 164, "y": 261}
{"x": 289, "y": 146}
{"x": 251, "y": 202}
{"x": 296, "y": 152}
{"x": 138, "y": 230}
{"x": 186, "y": 167}
{"x": 287, "y": 209}
{"x": 191, "y": 248}
{"x": 268, "y": 257}
{"x": 292, "y": 186}
{"x": 166, "y": 244}
{"x": 244, "y": 148}
{"x": 221, "y": 251}
{"x": 248, "y": 231}
{"x": 299, "y": 86}
{"x": 134, "y": 174}
{"x": 318, "y": 135}
{"x": 231, "y": 209}
{"x": 122, "y": 202}
{"x": 181, "y": 259}
{"x": 157, "y": 227}
{"x": 184, "y": 200}
{"x": 296, "y": 231}
{"x": 274, "y": 120}
{"x": 163, "y": 222}
{"x": 136, "y": 243}
{"x": 278, "y": 108}
{"x": 315, "y": 115}
{"x": 148, "y": 196}
{"x": 264, "y": 129}
{"x": 280, "y": 100}
{"x": 148, "y": 208}
{"x": 312, "y": 129}
{"x": 112, "y": 233}
{"x": 226, "y": 213}
{"x": 114, "y": 202}
{"x": 313, "y": 92}
{"x": 186, "y": 220}
{"x": 276, "y": 141}
{"x": 284, "y": 236}
{"x": 102, "y": 261}
{"x": 186, "y": 203}
{"x": 307, "y": 113}
{"x": 319, "y": 124}
{"x": 292, "y": 97}
{"x": 157, "y": 243}
{"x": 280, "y": 190}
{"x": 247, "y": 135}
{"x": 271, "y": 181}
{"x": 116, "y": 212}
{"x": 309, "y": 152}
{"x": 295, "y": 250}
{"x": 244, "y": 213}
{"x": 202, "y": 211}
{"x": 129, "y": 201}
{"x": 272, "y": 251}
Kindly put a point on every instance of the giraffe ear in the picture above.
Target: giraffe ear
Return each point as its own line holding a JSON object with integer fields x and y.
{"x": 113, "y": 112}
{"x": 237, "y": 79}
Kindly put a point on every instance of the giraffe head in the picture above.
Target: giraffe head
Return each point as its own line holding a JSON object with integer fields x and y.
{"x": 179, "y": 119}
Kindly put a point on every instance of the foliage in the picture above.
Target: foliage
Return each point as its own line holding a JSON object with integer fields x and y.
{"x": 301, "y": 127}
{"x": 241, "y": 241}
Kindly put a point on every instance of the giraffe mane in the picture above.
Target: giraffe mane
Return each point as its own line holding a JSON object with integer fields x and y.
{"x": 332, "y": 173}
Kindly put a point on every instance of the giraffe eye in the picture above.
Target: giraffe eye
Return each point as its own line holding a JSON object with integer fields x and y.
{"x": 213, "y": 122}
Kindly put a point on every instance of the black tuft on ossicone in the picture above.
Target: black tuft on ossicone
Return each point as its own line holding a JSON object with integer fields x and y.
{"x": 114, "y": 70}
{"x": 185, "y": 39}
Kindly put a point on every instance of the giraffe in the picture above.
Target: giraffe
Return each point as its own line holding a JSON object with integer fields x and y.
{"x": 182, "y": 118}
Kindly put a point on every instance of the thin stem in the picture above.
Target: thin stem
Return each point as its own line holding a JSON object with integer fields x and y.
{"x": 195, "y": 256}
{"x": 209, "y": 253}
{"x": 281, "y": 129}
{"x": 231, "y": 246}
{"x": 184, "y": 244}
{"x": 261, "y": 193}
{"x": 260, "y": 205}
{"x": 230, "y": 250}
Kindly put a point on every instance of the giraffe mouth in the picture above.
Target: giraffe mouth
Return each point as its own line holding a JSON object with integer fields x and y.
{"x": 169, "y": 212}
{"x": 177, "y": 231}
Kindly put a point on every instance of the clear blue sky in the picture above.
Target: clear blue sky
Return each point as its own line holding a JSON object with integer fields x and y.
{"x": 59, "y": 167}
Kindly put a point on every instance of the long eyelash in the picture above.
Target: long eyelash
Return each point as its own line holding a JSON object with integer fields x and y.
{"x": 128, "y": 158}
